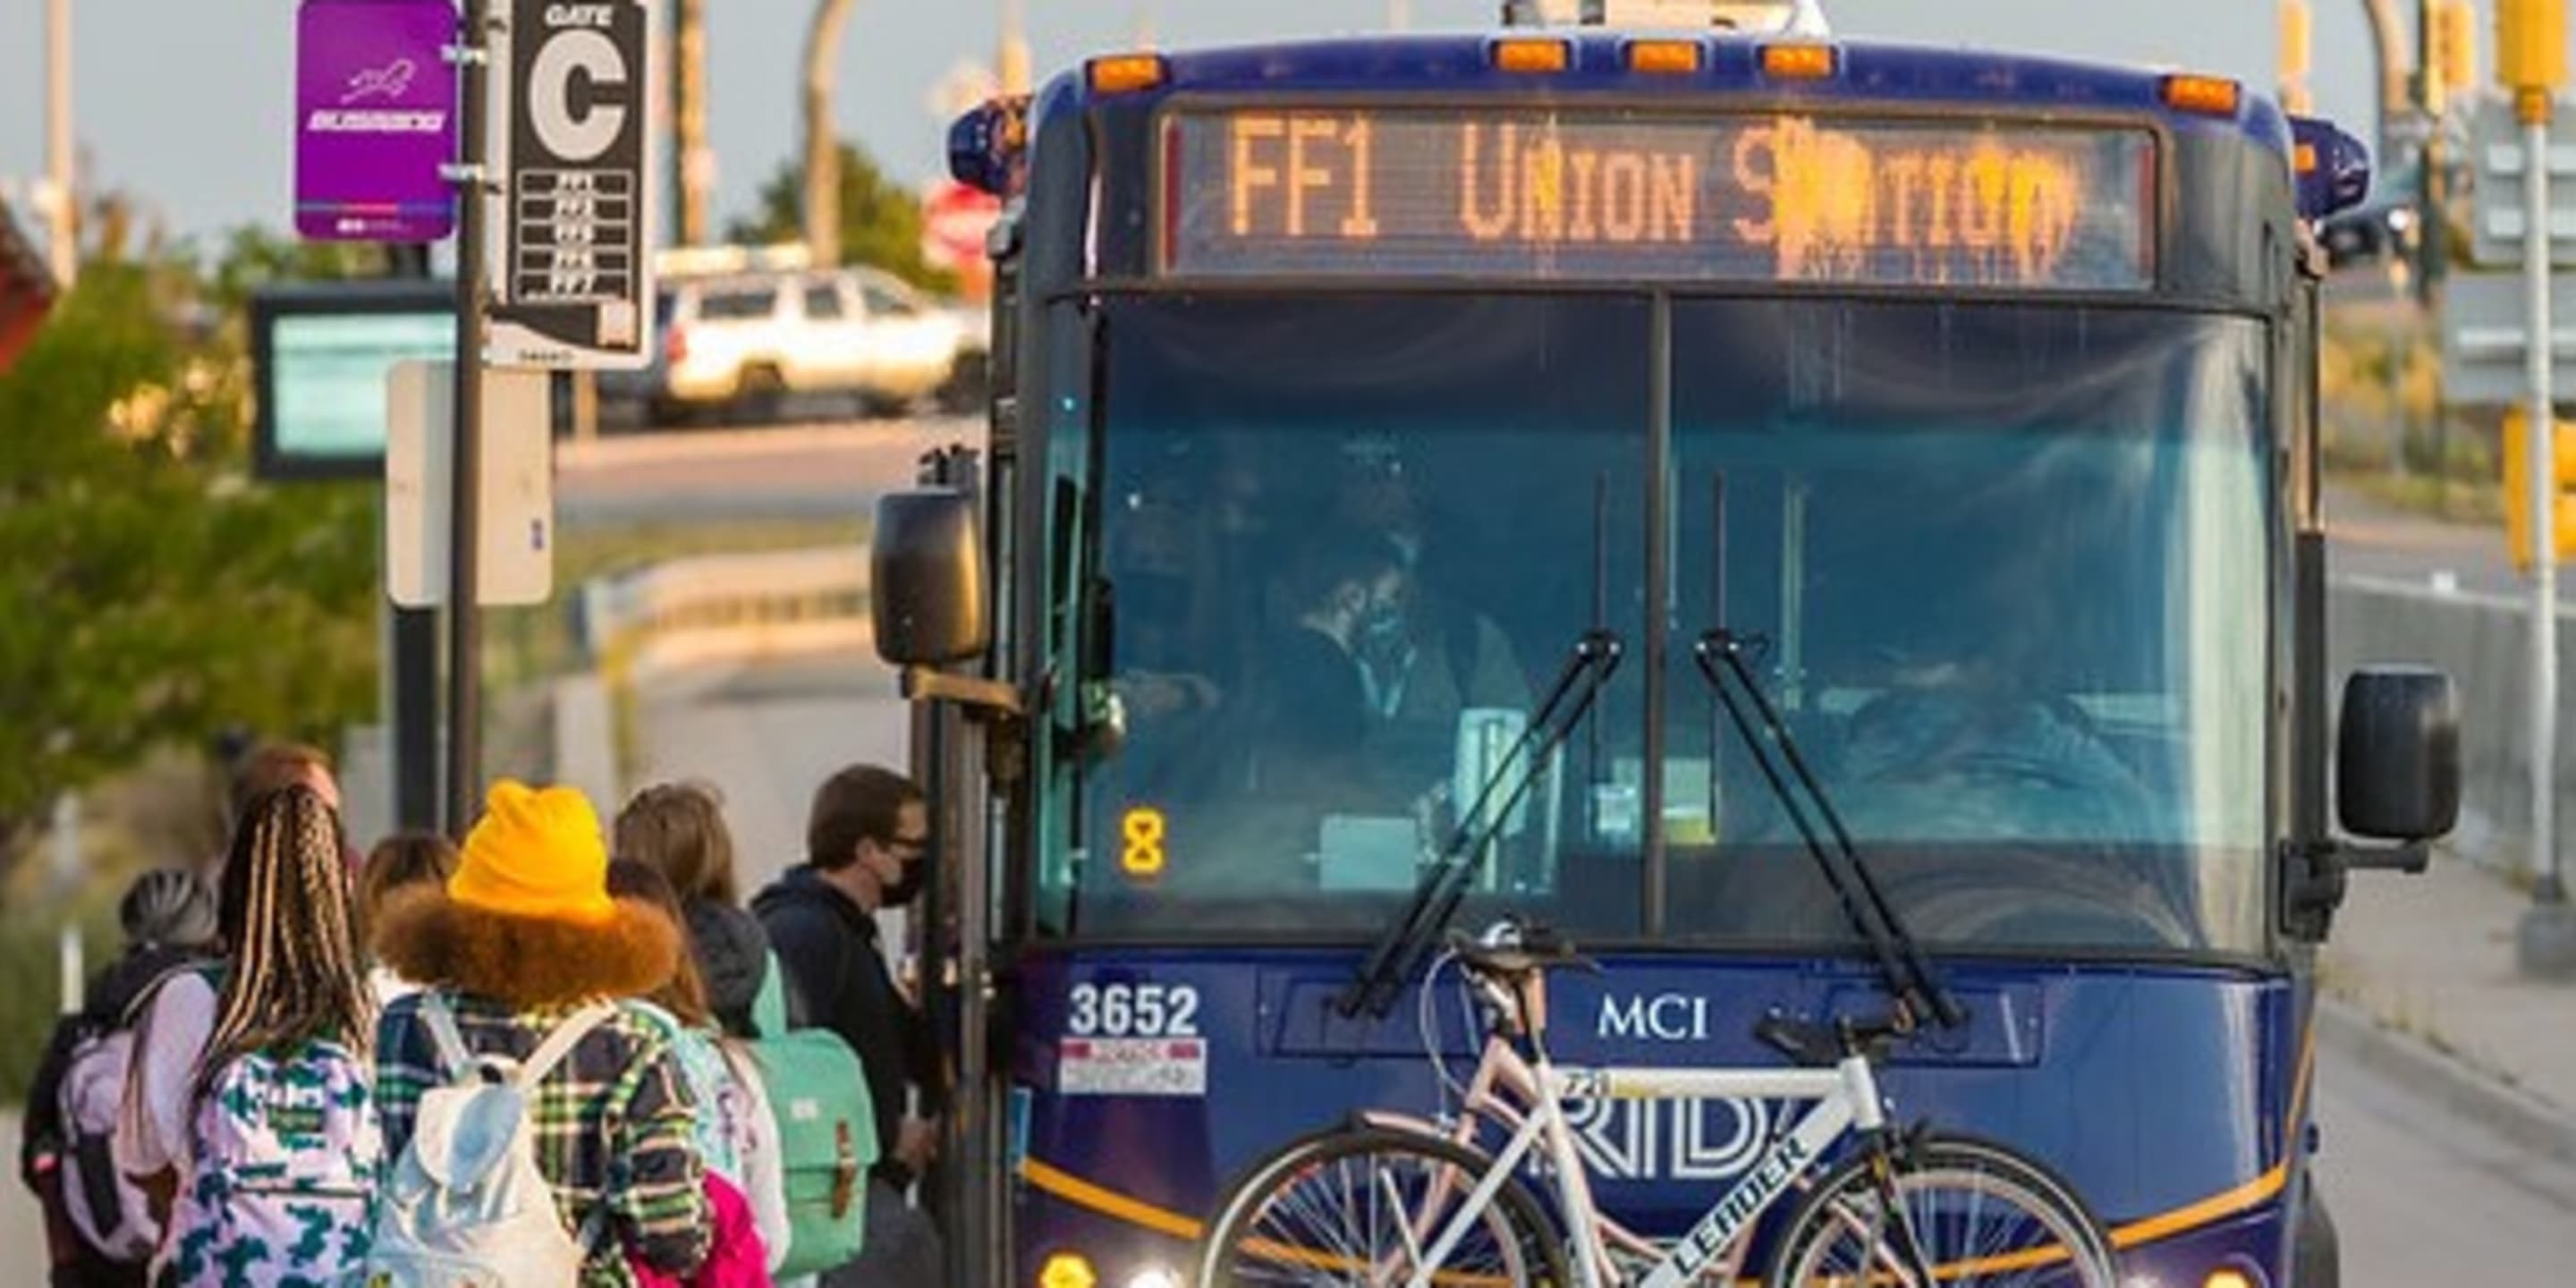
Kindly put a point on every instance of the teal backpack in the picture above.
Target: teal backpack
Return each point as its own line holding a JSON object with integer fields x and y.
{"x": 827, "y": 1132}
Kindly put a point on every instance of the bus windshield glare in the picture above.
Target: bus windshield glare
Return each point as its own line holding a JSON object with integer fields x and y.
{"x": 2006, "y": 565}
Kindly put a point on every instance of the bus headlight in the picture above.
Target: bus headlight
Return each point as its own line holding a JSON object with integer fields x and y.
{"x": 1067, "y": 1270}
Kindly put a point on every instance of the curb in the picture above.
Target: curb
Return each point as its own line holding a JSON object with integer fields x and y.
{"x": 2348, "y": 1031}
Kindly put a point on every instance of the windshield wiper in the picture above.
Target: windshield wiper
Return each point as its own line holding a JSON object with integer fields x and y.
{"x": 1720, "y": 654}
{"x": 1436, "y": 897}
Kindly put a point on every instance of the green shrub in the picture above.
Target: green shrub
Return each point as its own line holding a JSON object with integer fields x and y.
{"x": 31, "y": 986}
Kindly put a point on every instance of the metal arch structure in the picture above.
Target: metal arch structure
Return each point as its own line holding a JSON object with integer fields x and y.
{"x": 2396, "y": 58}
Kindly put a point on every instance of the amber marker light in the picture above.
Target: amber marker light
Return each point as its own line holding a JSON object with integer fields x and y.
{"x": 1798, "y": 62}
{"x": 1126, "y": 73}
{"x": 1664, "y": 57}
{"x": 1532, "y": 55}
{"x": 1067, "y": 1270}
{"x": 2206, "y": 95}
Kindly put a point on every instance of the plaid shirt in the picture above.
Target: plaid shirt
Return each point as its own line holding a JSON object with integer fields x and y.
{"x": 614, "y": 1119}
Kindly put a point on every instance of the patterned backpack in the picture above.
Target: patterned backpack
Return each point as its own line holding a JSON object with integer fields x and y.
{"x": 281, "y": 1170}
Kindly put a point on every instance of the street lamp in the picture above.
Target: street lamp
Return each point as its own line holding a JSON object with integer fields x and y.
{"x": 2531, "y": 61}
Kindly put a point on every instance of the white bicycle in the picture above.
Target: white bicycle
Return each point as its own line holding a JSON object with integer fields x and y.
{"x": 1392, "y": 1200}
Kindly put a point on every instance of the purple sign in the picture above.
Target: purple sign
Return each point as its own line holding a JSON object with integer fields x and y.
{"x": 375, "y": 119}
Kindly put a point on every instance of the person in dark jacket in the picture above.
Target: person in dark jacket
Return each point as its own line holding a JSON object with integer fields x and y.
{"x": 865, "y": 842}
{"x": 168, "y": 917}
{"x": 680, "y": 829}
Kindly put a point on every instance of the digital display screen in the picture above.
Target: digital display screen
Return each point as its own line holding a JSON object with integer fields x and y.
{"x": 1608, "y": 194}
{"x": 330, "y": 373}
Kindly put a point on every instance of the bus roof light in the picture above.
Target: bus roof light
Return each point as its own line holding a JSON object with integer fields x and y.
{"x": 2206, "y": 95}
{"x": 1532, "y": 55}
{"x": 1664, "y": 57}
{"x": 1798, "y": 62}
{"x": 1126, "y": 73}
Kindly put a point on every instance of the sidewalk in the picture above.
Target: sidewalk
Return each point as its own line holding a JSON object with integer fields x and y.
{"x": 22, "y": 1226}
{"x": 2420, "y": 980}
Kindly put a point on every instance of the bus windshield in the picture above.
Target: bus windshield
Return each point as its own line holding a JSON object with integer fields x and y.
{"x": 2003, "y": 565}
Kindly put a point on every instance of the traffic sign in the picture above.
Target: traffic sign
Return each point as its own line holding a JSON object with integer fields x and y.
{"x": 575, "y": 104}
{"x": 2496, "y": 144}
{"x": 955, "y": 219}
{"x": 516, "y": 503}
{"x": 375, "y": 120}
{"x": 2483, "y": 338}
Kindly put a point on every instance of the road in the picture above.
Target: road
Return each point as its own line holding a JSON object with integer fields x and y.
{"x": 2371, "y": 539}
{"x": 828, "y": 470}
{"x": 2423, "y": 1196}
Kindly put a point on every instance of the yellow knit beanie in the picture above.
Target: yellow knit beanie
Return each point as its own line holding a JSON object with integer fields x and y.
{"x": 535, "y": 853}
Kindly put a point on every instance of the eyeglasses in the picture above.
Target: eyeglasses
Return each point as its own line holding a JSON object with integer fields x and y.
{"x": 909, "y": 845}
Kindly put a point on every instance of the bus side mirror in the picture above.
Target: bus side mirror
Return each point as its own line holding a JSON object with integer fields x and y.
{"x": 2332, "y": 168}
{"x": 927, "y": 584}
{"x": 2397, "y": 760}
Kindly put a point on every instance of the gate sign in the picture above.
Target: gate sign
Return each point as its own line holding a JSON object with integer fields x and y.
{"x": 576, "y": 281}
{"x": 375, "y": 118}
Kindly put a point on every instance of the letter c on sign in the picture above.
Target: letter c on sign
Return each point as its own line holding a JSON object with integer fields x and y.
{"x": 585, "y": 137}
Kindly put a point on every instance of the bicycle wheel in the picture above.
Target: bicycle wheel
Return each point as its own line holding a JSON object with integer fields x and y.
{"x": 1980, "y": 1216}
{"x": 1367, "y": 1206}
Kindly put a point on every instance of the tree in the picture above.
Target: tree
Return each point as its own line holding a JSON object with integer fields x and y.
{"x": 150, "y": 592}
{"x": 880, "y": 219}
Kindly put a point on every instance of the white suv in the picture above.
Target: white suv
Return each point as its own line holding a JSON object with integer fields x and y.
{"x": 754, "y": 338}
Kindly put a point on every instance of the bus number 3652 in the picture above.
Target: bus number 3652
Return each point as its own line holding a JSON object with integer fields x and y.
{"x": 1134, "y": 1010}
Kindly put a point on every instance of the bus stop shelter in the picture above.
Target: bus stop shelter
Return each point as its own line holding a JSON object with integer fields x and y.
{"x": 26, "y": 288}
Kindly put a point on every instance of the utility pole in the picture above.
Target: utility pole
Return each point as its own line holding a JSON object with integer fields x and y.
{"x": 2298, "y": 22}
{"x": 67, "y": 880}
{"x": 62, "y": 204}
{"x": 1011, "y": 64}
{"x": 822, "y": 140}
{"x": 2388, "y": 41}
{"x": 2531, "y": 61}
{"x": 693, "y": 160}
{"x": 472, "y": 55}
{"x": 2433, "y": 236}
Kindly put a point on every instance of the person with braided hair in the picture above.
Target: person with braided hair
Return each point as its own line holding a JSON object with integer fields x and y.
{"x": 259, "y": 1066}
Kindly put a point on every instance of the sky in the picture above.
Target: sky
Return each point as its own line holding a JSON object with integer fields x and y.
{"x": 189, "y": 103}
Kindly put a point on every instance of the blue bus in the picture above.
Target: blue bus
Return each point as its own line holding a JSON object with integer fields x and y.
{"x": 1382, "y": 430}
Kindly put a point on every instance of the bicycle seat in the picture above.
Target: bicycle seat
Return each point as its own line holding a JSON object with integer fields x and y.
{"x": 1819, "y": 1044}
{"x": 1805, "y": 1042}
{"x": 1513, "y": 949}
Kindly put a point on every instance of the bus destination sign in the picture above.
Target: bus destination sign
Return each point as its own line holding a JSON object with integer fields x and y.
{"x": 1617, "y": 195}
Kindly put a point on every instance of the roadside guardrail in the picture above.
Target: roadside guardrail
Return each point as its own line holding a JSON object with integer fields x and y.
{"x": 733, "y": 607}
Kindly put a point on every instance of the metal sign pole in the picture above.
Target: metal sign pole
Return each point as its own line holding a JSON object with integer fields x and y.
{"x": 464, "y": 620}
{"x": 2539, "y": 357}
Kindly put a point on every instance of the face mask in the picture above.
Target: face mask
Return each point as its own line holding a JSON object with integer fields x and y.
{"x": 908, "y": 890}
{"x": 1382, "y": 631}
